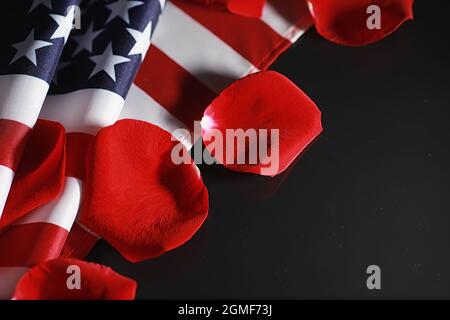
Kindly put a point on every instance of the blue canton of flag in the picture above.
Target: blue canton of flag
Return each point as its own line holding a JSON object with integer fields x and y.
{"x": 33, "y": 35}
{"x": 108, "y": 50}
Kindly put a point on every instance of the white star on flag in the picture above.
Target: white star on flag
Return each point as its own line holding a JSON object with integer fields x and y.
{"x": 65, "y": 24}
{"x": 47, "y": 3}
{"x": 107, "y": 62}
{"x": 120, "y": 9}
{"x": 142, "y": 40}
{"x": 27, "y": 48}
{"x": 85, "y": 40}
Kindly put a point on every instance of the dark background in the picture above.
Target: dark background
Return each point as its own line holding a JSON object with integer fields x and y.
{"x": 374, "y": 188}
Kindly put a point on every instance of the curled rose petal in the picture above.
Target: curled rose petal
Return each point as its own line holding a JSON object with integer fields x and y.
{"x": 137, "y": 198}
{"x": 355, "y": 22}
{"x": 71, "y": 279}
{"x": 249, "y": 8}
{"x": 260, "y": 124}
{"x": 40, "y": 175}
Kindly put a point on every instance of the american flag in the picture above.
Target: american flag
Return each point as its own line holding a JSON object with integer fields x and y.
{"x": 88, "y": 79}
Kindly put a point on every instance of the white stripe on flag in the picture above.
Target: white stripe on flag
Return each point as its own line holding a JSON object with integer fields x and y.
{"x": 62, "y": 211}
{"x": 278, "y": 22}
{"x": 21, "y": 98}
{"x": 86, "y": 110}
{"x": 6, "y": 178}
{"x": 140, "y": 106}
{"x": 220, "y": 65}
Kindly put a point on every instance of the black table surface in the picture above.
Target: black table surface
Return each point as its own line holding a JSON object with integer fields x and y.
{"x": 374, "y": 188}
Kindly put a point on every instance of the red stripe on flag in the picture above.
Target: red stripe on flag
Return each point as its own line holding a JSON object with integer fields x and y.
{"x": 26, "y": 245}
{"x": 294, "y": 11}
{"x": 78, "y": 243}
{"x": 251, "y": 37}
{"x": 13, "y": 138}
{"x": 183, "y": 95}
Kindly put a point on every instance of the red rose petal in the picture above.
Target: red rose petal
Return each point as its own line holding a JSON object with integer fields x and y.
{"x": 345, "y": 21}
{"x": 249, "y": 8}
{"x": 265, "y": 100}
{"x": 40, "y": 176}
{"x": 136, "y": 197}
{"x": 49, "y": 281}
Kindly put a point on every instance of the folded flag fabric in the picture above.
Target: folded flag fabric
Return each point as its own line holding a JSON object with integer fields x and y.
{"x": 92, "y": 79}
{"x": 30, "y": 51}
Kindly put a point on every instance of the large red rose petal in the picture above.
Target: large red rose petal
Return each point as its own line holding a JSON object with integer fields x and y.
{"x": 136, "y": 197}
{"x": 56, "y": 280}
{"x": 261, "y": 102}
{"x": 249, "y": 8}
{"x": 40, "y": 175}
{"x": 345, "y": 21}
